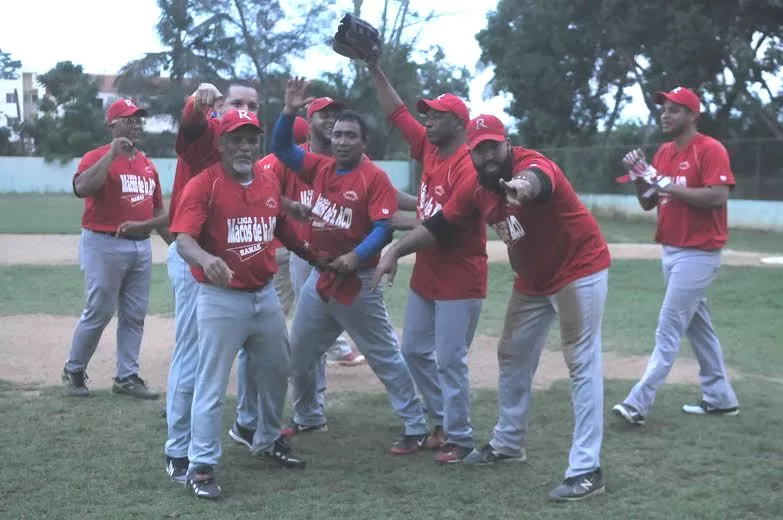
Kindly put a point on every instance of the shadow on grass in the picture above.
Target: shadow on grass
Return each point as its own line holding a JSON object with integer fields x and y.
{"x": 102, "y": 458}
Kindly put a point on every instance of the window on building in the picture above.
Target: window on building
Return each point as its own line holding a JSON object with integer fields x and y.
{"x": 12, "y": 121}
{"x": 10, "y": 97}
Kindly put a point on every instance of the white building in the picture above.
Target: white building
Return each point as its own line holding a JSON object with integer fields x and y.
{"x": 19, "y": 99}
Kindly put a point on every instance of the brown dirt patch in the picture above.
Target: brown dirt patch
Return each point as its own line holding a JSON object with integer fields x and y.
{"x": 64, "y": 250}
{"x": 36, "y": 346}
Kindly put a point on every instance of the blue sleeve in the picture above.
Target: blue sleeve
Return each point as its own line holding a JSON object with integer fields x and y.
{"x": 283, "y": 143}
{"x": 375, "y": 241}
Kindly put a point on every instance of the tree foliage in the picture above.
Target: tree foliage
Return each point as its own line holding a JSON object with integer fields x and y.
{"x": 71, "y": 119}
{"x": 9, "y": 67}
{"x": 570, "y": 64}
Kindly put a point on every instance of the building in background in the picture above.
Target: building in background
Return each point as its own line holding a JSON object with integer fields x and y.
{"x": 19, "y": 99}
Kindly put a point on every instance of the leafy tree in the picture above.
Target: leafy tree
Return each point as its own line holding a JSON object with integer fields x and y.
{"x": 9, "y": 67}
{"x": 571, "y": 63}
{"x": 71, "y": 118}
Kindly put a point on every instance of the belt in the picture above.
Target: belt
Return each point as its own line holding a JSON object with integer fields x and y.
{"x": 123, "y": 237}
{"x": 247, "y": 289}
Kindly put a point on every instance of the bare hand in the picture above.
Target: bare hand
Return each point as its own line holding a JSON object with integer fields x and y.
{"x": 206, "y": 95}
{"x": 386, "y": 266}
{"x": 133, "y": 228}
{"x": 297, "y": 210}
{"x": 345, "y": 264}
{"x": 402, "y": 222}
{"x": 217, "y": 271}
{"x": 517, "y": 190}
{"x": 121, "y": 146}
{"x": 296, "y": 95}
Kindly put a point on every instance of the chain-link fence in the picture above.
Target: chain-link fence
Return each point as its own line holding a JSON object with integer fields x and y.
{"x": 757, "y": 165}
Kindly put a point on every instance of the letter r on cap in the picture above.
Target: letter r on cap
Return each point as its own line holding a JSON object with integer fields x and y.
{"x": 480, "y": 123}
{"x": 129, "y": 103}
{"x": 243, "y": 114}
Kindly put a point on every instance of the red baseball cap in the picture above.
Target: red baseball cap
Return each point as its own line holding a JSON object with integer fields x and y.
{"x": 680, "y": 95}
{"x": 319, "y": 104}
{"x": 445, "y": 103}
{"x": 301, "y": 130}
{"x": 485, "y": 128}
{"x": 234, "y": 119}
{"x": 123, "y": 108}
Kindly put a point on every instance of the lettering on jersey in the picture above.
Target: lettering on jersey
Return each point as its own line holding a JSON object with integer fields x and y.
{"x": 684, "y": 165}
{"x": 331, "y": 214}
{"x": 306, "y": 198}
{"x": 439, "y": 191}
{"x": 136, "y": 189}
{"x": 428, "y": 206}
{"x": 271, "y": 202}
{"x": 509, "y": 230}
{"x": 252, "y": 234}
{"x": 351, "y": 195}
{"x": 664, "y": 198}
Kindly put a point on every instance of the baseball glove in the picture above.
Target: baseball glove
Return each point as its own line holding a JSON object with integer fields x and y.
{"x": 357, "y": 39}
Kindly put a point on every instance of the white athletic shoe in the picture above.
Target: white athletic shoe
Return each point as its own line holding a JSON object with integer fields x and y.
{"x": 705, "y": 409}
{"x": 629, "y": 413}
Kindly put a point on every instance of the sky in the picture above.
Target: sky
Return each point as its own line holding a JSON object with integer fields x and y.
{"x": 70, "y": 36}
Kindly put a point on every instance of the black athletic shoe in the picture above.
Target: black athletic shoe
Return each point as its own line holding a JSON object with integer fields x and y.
{"x": 74, "y": 384}
{"x": 177, "y": 468}
{"x": 579, "y": 487}
{"x": 704, "y": 408}
{"x": 243, "y": 436}
{"x": 203, "y": 483}
{"x": 133, "y": 386}
{"x": 283, "y": 454}
{"x": 489, "y": 455}
{"x": 629, "y": 413}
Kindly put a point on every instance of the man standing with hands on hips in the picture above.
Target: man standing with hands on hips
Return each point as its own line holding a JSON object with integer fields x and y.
{"x": 689, "y": 182}
{"x": 122, "y": 205}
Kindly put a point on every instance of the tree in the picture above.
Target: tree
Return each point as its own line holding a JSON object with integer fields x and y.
{"x": 71, "y": 118}
{"x": 9, "y": 67}
{"x": 570, "y": 63}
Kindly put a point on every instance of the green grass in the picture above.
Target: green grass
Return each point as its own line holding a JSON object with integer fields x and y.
{"x": 101, "y": 458}
{"x": 745, "y": 303}
{"x": 61, "y": 214}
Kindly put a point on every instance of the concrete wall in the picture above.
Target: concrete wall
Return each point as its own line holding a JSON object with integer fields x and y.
{"x": 33, "y": 175}
{"x": 754, "y": 214}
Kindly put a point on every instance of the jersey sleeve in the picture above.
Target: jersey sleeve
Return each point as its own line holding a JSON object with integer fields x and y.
{"x": 412, "y": 131}
{"x": 88, "y": 160}
{"x": 715, "y": 167}
{"x": 311, "y": 163}
{"x": 542, "y": 164}
{"x": 192, "y": 211}
{"x": 382, "y": 200}
{"x": 462, "y": 205}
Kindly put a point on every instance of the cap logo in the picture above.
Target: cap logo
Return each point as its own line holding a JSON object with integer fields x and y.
{"x": 244, "y": 115}
{"x": 130, "y": 103}
{"x": 441, "y": 96}
{"x": 676, "y": 90}
{"x": 481, "y": 124}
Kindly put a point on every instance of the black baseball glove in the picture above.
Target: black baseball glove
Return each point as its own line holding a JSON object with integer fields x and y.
{"x": 357, "y": 39}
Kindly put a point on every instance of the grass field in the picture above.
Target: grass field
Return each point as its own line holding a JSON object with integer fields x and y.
{"x": 61, "y": 214}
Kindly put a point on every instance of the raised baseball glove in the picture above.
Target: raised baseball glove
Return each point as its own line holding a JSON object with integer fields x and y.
{"x": 357, "y": 39}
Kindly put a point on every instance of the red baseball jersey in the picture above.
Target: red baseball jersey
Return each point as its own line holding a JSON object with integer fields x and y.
{"x": 703, "y": 162}
{"x": 445, "y": 272}
{"x": 345, "y": 205}
{"x": 291, "y": 187}
{"x": 550, "y": 244}
{"x": 192, "y": 156}
{"x": 234, "y": 222}
{"x": 131, "y": 191}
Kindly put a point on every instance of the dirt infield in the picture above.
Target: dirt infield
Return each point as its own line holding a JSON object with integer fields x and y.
{"x": 35, "y": 346}
{"x": 64, "y": 250}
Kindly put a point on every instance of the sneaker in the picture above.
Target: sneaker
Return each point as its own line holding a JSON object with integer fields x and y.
{"x": 73, "y": 384}
{"x": 408, "y": 444}
{"x": 489, "y": 455}
{"x": 452, "y": 454}
{"x": 203, "y": 483}
{"x": 283, "y": 454}
{"x": 579, "y": 487}
{"x": 243, "y": 436}
{"x": 351, "y": 359}
{"x": 705, "y": 409}
{"x": 436, "y": 439}
{"x": 134, "y": 386}
{"x": 295, "y": 429}
{"x": 177, "y": 468}
{"x": 629, "y": 413}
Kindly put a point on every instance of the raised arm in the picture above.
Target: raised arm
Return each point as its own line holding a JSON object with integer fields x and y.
{"x": 90, "y": 180}
{"x": 194, "y": 118}
{"x": 283, "y": 135}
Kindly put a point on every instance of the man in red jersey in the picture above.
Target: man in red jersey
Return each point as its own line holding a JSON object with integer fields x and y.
{"x": 692, "y": 228}
{"x": 561, "y": 261}
{"x": 353, "y": 201}
{"x": 122, "y": 205}
{"x": 225, "y": 224}
{"x": 196, "y": 147}
{"x": 449, "y": 281}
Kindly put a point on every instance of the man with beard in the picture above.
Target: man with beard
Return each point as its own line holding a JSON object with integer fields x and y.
{"x": 691, "y": 180}
{"x": 122, "y": 205}
{"x": 353, "y": 201}
{"x": 226, "y": 222}
{"x": 196, "y": 147}
{"x": 449, "y": 281}
{"x": 561, "y": 261}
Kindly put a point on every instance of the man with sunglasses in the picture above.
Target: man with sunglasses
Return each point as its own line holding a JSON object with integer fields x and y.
{"x": 123, "y": 204}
